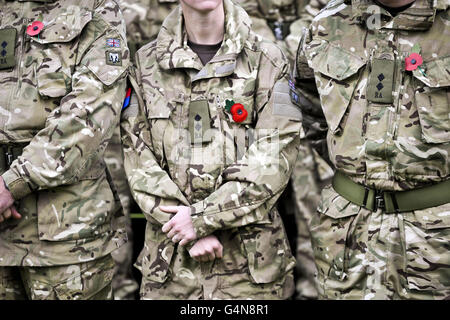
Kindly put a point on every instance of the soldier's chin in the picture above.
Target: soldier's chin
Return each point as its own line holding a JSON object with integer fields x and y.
{"x": 203, "y": 6}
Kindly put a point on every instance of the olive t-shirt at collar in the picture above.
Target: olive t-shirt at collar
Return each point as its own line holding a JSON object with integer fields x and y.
{"x": 205, "y": 51}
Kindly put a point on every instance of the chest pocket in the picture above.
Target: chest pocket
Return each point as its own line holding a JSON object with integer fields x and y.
{"x": 336, "y": 73}
{"x": 432, "y": 95}
{"x": 54, "y": 53}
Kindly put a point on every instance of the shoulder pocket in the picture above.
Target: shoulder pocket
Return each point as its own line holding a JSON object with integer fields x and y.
{"x": 432, "y": 95}
{"x": 108, "y": 63}
{"x": 336, "y": 73}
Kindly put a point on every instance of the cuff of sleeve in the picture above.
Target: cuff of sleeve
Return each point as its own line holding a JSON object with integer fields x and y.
{"x": 18, "y": 187}
{"x": 202, "y": 229}
{"x": 197, "y": 219}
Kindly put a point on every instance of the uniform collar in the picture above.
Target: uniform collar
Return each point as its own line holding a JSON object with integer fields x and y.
{"x": 173, "y": 52}
{"x": 420, "y": 16}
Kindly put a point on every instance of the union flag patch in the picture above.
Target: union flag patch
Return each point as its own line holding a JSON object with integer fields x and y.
{"x": 114, "y": 43}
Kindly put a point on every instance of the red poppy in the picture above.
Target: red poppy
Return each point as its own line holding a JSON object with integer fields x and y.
{"x": 238, "y": 112}
{"x": 35, "y": 28}
{"x": 413, "y": 61}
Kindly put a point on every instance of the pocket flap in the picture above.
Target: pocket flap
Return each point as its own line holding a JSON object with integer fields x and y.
{"x": 66, "y": 26}
{"x": 332, "y": 61}
{"x": 436, "y": 73}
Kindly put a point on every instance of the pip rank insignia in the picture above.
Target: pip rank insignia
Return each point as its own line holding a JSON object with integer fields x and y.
{"x": 381, "y": 81}
{"x": 7, "y": 48}
{"x": 113, "y": 58}
{"x": 112, "y": 42}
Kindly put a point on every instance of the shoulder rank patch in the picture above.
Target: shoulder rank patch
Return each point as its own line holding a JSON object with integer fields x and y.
{"x": 112, "y": 42}
{"x": 114, "y": 58}
{"x": 126, "y": 102}
{"x": 7, "y": 48}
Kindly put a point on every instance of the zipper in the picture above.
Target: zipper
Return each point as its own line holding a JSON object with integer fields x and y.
{"x": 219, "y": 114}
{"x": 20, "y": 61}
{"x": 394, "y": 116}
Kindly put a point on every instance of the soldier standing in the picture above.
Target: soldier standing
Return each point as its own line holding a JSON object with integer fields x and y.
{"x": 282, "y": 22}
{"x": 63, "y": 68}
{"x": 381, "y": 68}
{"x": 209, "y": 148}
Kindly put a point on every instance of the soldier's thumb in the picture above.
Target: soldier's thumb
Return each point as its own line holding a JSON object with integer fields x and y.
{"x": 15, "y": 213}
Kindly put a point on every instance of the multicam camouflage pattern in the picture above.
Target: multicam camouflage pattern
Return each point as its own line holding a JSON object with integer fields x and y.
{"x": 297, "y": 14}
{"x": 62, "y": 100}
{"x": 307, "y": 10}
{"x": 373, "y": 255}
{"x": 144, "y": 19}
{"x": 311, "y": 173}
{"x": 124, "y": 284}
{"x": 266, "y": 13}
{"x": 84, "y": 281}
{"x": 389, "y": 146}
{"x": 233, "y": 192}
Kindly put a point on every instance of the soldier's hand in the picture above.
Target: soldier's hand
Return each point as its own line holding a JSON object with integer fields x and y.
{"x": 6, "y": 198}
{"x": 206, "y": 249}
{"x": 180, "y": 227}
{"x": 11, "y": 212}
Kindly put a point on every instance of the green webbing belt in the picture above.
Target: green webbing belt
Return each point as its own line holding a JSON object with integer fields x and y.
{"x": 137, "y": 216}
{"x": 392, "y": 201}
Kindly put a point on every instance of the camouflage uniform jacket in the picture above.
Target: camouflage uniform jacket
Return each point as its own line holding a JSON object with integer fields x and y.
{"x": 61, "y": 98}
{"x": 233, "y": 178}
{"x": 391, "y": 141}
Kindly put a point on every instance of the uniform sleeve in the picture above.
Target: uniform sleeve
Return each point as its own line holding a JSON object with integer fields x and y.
{"x": 77, "y": 131}
{"x": 252, "y": 185}
{"x": 305, "y": 95}
{"x": 150, "y": 185}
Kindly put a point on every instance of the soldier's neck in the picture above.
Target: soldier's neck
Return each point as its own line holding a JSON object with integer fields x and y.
{"x": 204, "y": 27}
{"x": 395, "y": 3}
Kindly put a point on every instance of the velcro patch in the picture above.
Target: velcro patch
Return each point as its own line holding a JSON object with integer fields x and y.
{"x": 199, "y": 121}
{"x": 7, "y": 48}
{"x": 381, "y": 81}
{"x": 113, "y": 58}
{"x": 113, "y": 42}
{"x": 282, "y": 104}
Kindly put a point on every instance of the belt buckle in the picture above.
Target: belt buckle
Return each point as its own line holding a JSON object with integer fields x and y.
{"x": 379, "y": 201}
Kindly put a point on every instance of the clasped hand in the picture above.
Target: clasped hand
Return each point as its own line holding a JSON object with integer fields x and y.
{"x": 7, "y": 208}
{"x": 180, "y": 229}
